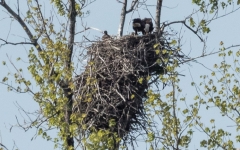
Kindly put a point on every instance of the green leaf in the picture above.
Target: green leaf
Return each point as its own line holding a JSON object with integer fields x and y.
{"x": 155, "y": 45}
{"x": 132, "y": 96}
{"x": 192, "y": 23}
{"x": 213, "y": 73}
{"x": 151, "y": 137}
{"x": 40, "y": 131}
{"x": 112, "y": 122}
{"x": 185, "y": 111}
{"x": 4, "y": 79}
{"x": 140, "y": 80}
{"x": 173, "y": 42}
{"x": 157, "y": 51}
{"x": 212, "y": 120}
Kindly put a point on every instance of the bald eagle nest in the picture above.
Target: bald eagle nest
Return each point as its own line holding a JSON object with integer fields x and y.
{"x": 112, "y": 89}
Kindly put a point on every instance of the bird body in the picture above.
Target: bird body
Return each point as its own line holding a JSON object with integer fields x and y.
{"x": 146, "y": 29}
{"x": 138, "y": 26}
{"x": 148, "y": 25}
{"x": 105, "y": 36}
{"x": 142, "y": 25}
{"x": 135, "y": 25}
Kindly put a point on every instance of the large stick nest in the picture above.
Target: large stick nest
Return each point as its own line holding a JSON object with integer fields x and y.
{"x": 111, "y": 91}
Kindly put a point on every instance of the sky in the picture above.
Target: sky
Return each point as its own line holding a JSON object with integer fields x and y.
{"x": 106, "y": 16}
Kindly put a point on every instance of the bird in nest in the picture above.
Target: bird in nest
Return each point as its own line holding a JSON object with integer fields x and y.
{"x": 138, "y": 26}
{"x": 148, "y": 25}
{"x": 142, "y": 25}
{"x": 105, "y": 36}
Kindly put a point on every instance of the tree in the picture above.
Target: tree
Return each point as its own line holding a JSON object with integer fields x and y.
{"x": 52, "y": 76}
{"x": 52, "y": 65}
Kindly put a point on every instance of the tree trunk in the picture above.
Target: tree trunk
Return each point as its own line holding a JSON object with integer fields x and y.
{"x": 158, "y": 15}
{"x": 68, "y": 113}
{"x": 122, "y": 20}
{"x": 67, "y": 90}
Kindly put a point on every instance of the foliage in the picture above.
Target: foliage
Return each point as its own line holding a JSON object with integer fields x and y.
{"x": 220, "y": 90}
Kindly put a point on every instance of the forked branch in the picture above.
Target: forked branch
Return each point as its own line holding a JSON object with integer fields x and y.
{"x": 123, "y": 15}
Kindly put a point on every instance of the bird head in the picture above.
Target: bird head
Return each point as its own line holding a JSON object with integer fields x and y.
{"x": 136, "y": 20}
{"x": 147, "y": 20}
{"x": 105, "y": 32}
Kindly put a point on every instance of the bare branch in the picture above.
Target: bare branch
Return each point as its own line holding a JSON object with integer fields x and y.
{"x": 119, "y": 1}
{"x": 87, "y": 28}
{"x": 184, "y": 23}
{"x": 212, "y": 53}
{"x": 6, "y": 42}
{"x": 134, "y": 2}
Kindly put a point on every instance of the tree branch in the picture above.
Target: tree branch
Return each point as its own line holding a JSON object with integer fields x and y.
{"x": 22, "y": 23}
{"x": 134, "y": 2}
{"x": 212, "y": 53}
{"x": 3, "y": 146}
{"x": 6, "y": 42}
{"x": 184, "y": 23}
{"x": 43, "y": 23}
{"x": 119, "y": 1}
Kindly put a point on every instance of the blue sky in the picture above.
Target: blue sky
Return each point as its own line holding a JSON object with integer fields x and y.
{"x": 106, "y": 16}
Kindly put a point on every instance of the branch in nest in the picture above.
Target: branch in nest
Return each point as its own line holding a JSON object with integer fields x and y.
{"x": 120, "y": 95}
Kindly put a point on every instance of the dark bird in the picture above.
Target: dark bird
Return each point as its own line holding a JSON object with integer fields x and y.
{"x": 105, "y": 36}
{"x": 138, "y": 26}
{"x": 148, "y": 25}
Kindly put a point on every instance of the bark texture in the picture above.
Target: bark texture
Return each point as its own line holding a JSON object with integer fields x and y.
{"x": 158, "y": 15}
